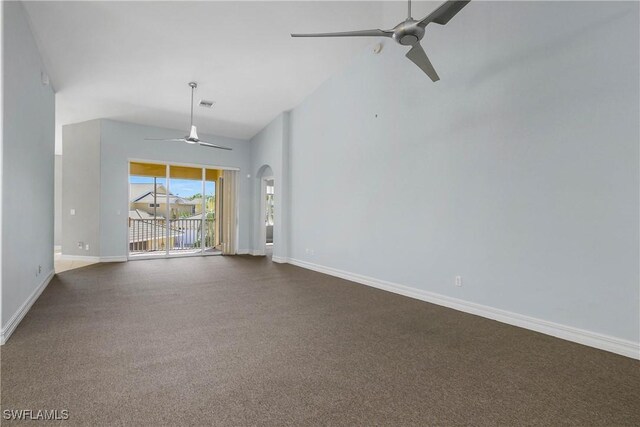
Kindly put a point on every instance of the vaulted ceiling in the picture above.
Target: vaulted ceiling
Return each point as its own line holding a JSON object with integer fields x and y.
{"x": 131, "y": 61}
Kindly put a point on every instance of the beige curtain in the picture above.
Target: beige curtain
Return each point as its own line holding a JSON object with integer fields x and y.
{"x": 219, "y": 215}
{"x": 228, "y": 209}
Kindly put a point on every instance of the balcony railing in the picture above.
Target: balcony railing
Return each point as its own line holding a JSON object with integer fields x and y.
{"x": 184, "y": 234}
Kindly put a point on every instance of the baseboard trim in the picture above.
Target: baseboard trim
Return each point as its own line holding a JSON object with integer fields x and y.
{"x": 242, "y": 252}
{"x": 116, "y": 258}
{"x": 113, "y": 259}
{"x": 24, "y": 309}
{"x": 85, "y": 258}
{"x": 569, "y": 333}
{"x": 282, "y": 260}
{"x": 258, "y": 253}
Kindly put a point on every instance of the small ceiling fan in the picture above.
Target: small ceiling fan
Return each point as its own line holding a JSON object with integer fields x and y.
{"x": 409, "y": 33}
{"x": 192, "y": 138}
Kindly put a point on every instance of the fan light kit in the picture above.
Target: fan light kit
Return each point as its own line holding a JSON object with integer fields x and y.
{"x": 409, "y": 33}
{"x": 192, "y": 138}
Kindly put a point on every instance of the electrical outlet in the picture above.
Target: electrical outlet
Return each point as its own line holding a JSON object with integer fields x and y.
{"x": 458, "y": 281}
{"x": 39, "y": 269}
{"x": 72, "y": 212}
{"x": 80, "y": 245}
{"x": 86, "y": 247}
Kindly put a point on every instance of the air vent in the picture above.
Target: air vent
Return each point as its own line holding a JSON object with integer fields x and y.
{"x": 206, "y": 104}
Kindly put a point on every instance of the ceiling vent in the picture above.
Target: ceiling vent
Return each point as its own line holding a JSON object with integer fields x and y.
{"x": 206, "y": 104}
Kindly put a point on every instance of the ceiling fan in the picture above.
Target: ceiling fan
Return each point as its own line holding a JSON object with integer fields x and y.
{"x": 192, "y": 138}
{"x": 409, "y": 33}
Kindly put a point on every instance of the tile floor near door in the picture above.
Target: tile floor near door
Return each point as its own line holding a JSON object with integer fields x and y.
{"x": 60, "y": 264}
{"x": 235, "y": 341}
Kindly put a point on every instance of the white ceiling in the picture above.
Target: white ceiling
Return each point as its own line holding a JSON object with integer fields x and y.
{"x": 131, "y": 61}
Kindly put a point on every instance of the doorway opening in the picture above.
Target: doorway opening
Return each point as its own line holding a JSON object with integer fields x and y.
{"x": 177, "y": 210}
{"x": 265, "y": 220}
{"x": 269, "y": 192}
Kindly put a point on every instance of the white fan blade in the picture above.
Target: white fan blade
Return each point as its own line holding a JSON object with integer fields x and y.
{"x": 164, "y": 139}
{"x": 208, "y": 144}
{"x": 363, "y": 33}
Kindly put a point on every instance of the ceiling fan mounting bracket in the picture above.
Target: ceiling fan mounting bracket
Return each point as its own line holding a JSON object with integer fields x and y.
{"x": 193, "y": 85}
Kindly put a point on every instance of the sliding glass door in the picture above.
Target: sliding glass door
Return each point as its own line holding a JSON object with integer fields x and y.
{"x": 172, "y": 210}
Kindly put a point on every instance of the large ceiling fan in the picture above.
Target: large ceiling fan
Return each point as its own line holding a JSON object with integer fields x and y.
{"x": 409, "y": 33}
{"x": 192, "y": 138}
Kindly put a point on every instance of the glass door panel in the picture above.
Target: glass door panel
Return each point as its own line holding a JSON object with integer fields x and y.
{"x": 185, "y": 210}
{"x": 147, "y": 207}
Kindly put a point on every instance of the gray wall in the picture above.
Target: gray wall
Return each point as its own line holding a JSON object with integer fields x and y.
{"x": 518, "y": 170}
{"x": 81, "y": 188}
{"x": 27, "y": 164}
{"x": 95, "y": 172}
{"x": 270, "y": 148}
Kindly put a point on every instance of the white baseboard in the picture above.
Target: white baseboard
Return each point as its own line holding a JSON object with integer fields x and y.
{"x": 66, "y": 257}
{"x": 257, "y": 253}
{"x": 569, "y": 333}
{"x": 116, "y": 258}
{"x": 281, "y": 260}
{"x": 242, "y": 252}
{"x": 24, "y": 308}
{"x": 57, "y": 248}
{"x": 113, "y": 258}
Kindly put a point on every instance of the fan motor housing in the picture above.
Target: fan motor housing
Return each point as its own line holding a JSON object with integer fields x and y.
{"x": 408, "y": 33}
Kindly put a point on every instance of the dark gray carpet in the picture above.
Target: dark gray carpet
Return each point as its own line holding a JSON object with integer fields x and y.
{"x": 242, "y": 341}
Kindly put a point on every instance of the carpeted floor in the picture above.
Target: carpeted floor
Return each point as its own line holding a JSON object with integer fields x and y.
{"x": 243, "y": 341}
